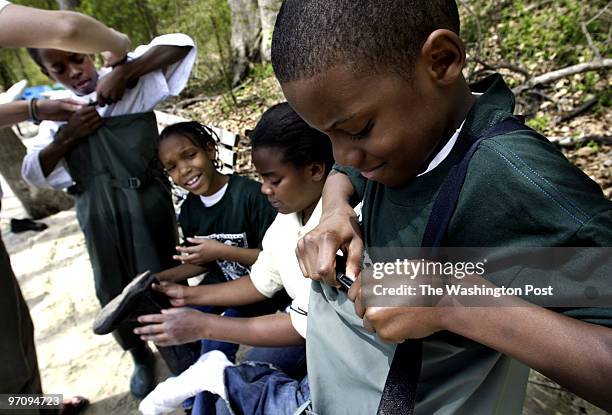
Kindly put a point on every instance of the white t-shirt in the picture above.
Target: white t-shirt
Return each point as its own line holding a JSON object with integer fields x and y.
{"x": 277, "y": 266}
{"x": 213, "y": 199}
{"x": 150, "y": 90}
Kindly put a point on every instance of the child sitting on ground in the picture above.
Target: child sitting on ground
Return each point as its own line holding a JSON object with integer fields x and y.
{"x": 384, "y": 80}
{"x": 224, "y": 218}
{"x": 293, "y": 160}
{"x": 124, "y": 207}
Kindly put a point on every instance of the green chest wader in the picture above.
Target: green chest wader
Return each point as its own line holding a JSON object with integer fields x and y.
{"x": 124, "y": 207}
{"x": 400, "y": 390}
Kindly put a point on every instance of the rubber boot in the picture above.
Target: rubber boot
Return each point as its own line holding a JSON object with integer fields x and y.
{"x": 143, "y": 378}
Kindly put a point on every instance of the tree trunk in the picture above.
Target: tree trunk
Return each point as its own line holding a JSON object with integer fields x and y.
{"x": 6, "y": 75}
{"x": 38, "y": 202}
{"x": 268, "y": 9}
{"x": 245, "y": 41}
{"x": 68, "y": 4}
{"x": 148, "y": 18}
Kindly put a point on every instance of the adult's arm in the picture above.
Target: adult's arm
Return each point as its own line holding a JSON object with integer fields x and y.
{"x": 56, "y": 110}
{"x": 57, "y": 29}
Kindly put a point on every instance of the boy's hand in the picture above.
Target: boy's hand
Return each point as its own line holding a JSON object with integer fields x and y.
{"x": 316, "y": 251}
{"x": 111, "y": 87}
{"x": 418, "y": 317}
{"x": 56, "y": 109}
{"x": 396, "y": 324}
{"x": 81, "y": 123}
{"x": 204, "y": 251}
{"x": 174, "y": 326}
{"x": 179, "y": 295}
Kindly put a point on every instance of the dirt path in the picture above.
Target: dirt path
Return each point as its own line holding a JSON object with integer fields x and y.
{"x": 56, "y": 279}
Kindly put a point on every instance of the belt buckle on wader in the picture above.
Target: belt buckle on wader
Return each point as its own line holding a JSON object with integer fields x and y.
{"x": 133, "y": 183}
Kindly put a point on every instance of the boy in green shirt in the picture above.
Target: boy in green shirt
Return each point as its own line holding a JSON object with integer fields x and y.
{"x": 384, "y": 80}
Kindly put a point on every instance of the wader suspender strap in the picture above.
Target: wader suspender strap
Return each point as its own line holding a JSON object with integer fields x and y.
{"x": 399, "y": 393}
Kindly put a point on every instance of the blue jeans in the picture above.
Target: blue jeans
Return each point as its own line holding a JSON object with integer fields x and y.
{"x": 272, "y": 380}
{"x": 279, "y": 301}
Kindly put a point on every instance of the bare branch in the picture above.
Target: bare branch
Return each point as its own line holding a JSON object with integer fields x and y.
{"x": 590, "y": 40}
{"x": 602, "y": 11}
{"x": 572, "y": 141}
{"x": 579, "y": 110}
{"x": 563, "y": 73}
{"x": 537, "y": 5}
{"x": 504, "y": 65}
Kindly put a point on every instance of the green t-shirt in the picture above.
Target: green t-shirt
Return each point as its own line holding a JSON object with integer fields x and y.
{"x": 519, "y": 191}
{"x": 240, "y": 218}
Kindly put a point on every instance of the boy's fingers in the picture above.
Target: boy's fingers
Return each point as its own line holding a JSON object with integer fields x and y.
{"x": 151, "y": 318}
{"x": 353, "y": 257}
{"x": 161, "y": 287}
{"x": 300, "y": 262}
{"x": 367, "y": 325}
{"x": 172, "y": 310}
{"x": 355, "y": 296}
{"x": 198, "y": 241}
{"x": 71, "y": 106}
{"x": 150, "y": 329}
{"x": 326, "y": 261}
{"x": 160, "y": 339}
{"x": 185, "y": 249}
{"x": 177, "y": 302}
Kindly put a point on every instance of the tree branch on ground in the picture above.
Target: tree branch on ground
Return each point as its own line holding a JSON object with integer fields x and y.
{"x": 565, "y": 141}
{"x": 578, "y": 111}
{"x": 563, "y": 73}
{"x": 504, "y": 65}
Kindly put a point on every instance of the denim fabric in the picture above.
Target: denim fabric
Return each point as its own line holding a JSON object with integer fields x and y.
{"x": 272, "y": 380}
{"x": 205, "y": 402}
{"x": 260, "y": 389}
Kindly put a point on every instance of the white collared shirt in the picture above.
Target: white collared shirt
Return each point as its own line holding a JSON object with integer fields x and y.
{"x": 150, "y": 90}
{"x": 277, "y": 266}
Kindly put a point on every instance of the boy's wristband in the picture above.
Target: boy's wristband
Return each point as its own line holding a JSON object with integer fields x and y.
{"x": 121, "y": 62}
{"x": 32, "y": 110}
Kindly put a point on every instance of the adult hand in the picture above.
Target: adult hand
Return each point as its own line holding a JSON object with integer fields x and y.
{"x": 202, "y": 252}
{"x": 174, "y": 326}
{"x": 111, "y": 87}
{"x": 316, "y": 251}
{"x": 82, "y": 123}
{"x": 56, "y": 109}
{"x": 112, "y": 58}
{"x": 179, "y": 295}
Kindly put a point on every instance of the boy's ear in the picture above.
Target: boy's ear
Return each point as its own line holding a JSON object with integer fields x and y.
{"x": 444, "y": 56}
{"x": 317, "y": 171}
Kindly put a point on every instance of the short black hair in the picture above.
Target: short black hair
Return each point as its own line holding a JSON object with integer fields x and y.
{"x": 370, "y": 36}
{"x": 301, "y": 145}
